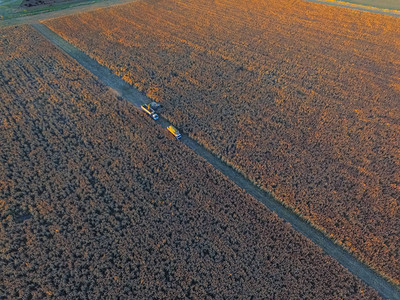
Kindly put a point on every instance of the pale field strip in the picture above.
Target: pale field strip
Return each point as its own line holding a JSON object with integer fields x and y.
{"x": 361, "y": 7}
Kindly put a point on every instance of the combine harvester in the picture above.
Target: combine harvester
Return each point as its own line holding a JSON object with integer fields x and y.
{"x": 149, "y": 110}
{"x": 174, "y": 131}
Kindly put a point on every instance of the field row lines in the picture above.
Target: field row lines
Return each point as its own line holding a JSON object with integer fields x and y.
{"x": 131, "y": 94}
{"x": 32, "y": 19}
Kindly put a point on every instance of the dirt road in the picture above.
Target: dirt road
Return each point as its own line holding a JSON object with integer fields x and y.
{"x": 132, "y": 95}
{"x": 62, "y": 12}
{"x": 87, "y": 7}
{"x": 344, "y": 3}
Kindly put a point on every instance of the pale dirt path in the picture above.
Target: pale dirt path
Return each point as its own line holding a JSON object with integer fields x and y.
{"x": 131, "y": 94}
{"x": 360, "y": 7}
{"x": 107, "y": 3}
{"x": 62, "y": 12}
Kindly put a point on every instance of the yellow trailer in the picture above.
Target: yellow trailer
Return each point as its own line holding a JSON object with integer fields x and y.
{"x": 174, "y": 131}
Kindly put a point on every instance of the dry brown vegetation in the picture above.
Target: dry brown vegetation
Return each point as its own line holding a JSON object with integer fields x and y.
{"x": 303, "y": 98}
{"x": 98, "y": 202}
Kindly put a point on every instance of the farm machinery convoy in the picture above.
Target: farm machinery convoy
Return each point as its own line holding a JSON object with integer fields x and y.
{"x": 150, "y": 109}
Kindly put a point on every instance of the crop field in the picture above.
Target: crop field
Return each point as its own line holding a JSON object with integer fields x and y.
{"x": 301, "y": 97}
{"x": 96, "y": 201}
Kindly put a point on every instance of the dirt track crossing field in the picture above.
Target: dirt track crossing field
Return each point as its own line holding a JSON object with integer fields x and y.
{"x": 97, "y": 201}
{"x": 300, "y": 97}
{"x": 30, "y": 19}
{"x": 362, "y": 271}
{"x": 88, "y": 7}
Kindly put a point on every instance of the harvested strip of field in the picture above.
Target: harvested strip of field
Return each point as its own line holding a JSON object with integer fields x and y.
{"x": 97, "y": 201}
{"x": 301, "y": 97}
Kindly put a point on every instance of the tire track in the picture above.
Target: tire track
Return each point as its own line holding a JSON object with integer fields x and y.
{"x": 131, "y": 94}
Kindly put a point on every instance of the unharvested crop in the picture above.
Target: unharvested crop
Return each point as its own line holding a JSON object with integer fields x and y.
{"x": 303, "y": 98}
{"x": 96, "y": 201}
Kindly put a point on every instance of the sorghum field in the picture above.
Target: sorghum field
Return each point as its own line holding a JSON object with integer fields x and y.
{"x": 301, "y": 97}
{"x": 96, "y": 201}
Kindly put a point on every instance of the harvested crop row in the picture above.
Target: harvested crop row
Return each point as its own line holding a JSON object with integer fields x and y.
{"x": 301, "y": 97}
{"x": 98, "y": 202}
